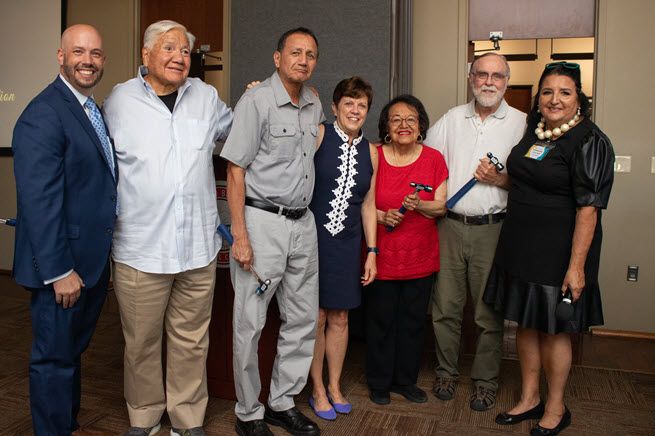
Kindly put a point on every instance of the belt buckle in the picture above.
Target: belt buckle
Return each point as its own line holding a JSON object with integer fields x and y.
{"x": 466, "y": 220}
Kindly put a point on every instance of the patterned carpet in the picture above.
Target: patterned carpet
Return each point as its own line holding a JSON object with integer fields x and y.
{"x": 602, "y": 401}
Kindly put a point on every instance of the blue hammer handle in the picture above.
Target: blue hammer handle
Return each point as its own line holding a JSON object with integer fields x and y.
{"x": 9, "y": 221}
{"x": 466, "y": 188}
{"x": 459, "y": 194}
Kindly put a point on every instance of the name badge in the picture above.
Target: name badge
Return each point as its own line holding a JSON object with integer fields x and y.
{"x": 538, "y": 151}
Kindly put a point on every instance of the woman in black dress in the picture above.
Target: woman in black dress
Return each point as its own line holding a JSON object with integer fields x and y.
{"x": 562, "y": 174}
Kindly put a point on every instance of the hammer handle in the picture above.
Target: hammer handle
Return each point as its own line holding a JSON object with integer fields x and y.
{"x": 459, "y": 194}
{"x": 9, "y": 221}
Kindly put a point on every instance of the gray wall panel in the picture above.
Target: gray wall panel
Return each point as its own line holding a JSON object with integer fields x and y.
{"x": 354, "y": 39}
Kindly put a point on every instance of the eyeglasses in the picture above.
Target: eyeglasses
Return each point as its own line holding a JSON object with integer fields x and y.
{"x": 397, "y": 121}
{"x": 567, "y": 65}
{"x": 483, "y": 76}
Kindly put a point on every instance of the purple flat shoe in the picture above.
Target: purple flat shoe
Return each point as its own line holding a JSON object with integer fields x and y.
{"x": 328, "y": 415}
{"x": 343, "y": 408}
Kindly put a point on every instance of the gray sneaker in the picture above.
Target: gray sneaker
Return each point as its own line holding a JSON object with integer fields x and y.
{"x": 444, "y": 388}
{"x": 482, "y": 399}
{"x": 143, "y": 431}
{"x": 195, "y": 431}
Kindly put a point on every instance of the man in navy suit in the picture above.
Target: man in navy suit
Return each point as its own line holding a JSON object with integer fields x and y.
{"x": 66, "y": 178}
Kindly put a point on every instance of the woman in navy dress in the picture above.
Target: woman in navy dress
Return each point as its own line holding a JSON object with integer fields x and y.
{"x": 343, "y": 205}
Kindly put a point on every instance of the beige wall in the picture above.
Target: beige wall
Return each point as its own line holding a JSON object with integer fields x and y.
{"x": 622, "y": 98}
{"x": 30, "y": 29}
{"x": 439, "y": 58}
{"x": 116, "y": 21}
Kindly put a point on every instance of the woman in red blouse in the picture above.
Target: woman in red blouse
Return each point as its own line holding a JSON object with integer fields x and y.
{"x": 408, "y": 244}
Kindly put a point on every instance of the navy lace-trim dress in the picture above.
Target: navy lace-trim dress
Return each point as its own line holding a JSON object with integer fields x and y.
{"x": 343, "y": 177}
{"x": 535, "y": 242}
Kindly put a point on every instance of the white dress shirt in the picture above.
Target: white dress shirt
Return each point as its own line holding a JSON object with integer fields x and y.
{"x": 463, "y": 139}
{"x": 168, "y": 216}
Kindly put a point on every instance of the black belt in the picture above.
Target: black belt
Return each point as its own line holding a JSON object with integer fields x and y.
{"x": 477, "y": 220}
{"x": 293, "y": 214}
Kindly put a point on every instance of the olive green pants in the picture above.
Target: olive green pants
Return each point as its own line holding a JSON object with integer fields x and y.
{"x": 467, "y": 253}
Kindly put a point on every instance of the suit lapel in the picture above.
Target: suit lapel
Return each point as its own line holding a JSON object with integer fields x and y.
{"x": 78, "y": 111}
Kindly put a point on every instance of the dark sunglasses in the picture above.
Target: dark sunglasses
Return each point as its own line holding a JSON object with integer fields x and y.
{"x": 568, "y": 65}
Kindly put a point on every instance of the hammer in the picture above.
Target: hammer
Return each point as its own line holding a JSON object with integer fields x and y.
{"x": 466, "y": 188}
{"x": 8, "y": 221}
{"x": 263, "y": 284}
{"x": 417, "y": 187}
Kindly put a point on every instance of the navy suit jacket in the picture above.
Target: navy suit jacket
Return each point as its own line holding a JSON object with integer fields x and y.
{"x": 66, "y": 191}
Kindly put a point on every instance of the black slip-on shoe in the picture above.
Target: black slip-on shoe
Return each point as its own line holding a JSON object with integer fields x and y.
{"x": 412, "y": 392}
{"x": 563, "y": 423}
{"x": 536, "y": 412}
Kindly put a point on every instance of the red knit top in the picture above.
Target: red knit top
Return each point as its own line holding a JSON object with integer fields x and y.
{"x": 411, "y": 250}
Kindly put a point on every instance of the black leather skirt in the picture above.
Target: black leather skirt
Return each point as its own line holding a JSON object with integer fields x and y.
{"x": 532, "y": 305}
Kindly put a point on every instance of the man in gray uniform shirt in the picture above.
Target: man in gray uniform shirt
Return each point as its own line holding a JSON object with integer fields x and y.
{"x": 270, "y": 179}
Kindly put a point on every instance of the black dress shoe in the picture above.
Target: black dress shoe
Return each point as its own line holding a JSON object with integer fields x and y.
{"x": 411, "y": 392}
{"x": 256, "y": 427}
{"x": 535, "y": 413}
{"x": 292, "y": 421}
{"x": 563, "y": 423}
{"x": 379, "y": 397}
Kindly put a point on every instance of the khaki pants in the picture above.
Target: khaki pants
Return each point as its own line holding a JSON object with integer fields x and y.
{"x": 467, "y": 253}
{"x": 179, "y": 304}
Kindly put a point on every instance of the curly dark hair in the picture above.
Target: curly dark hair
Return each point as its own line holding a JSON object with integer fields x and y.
{"x": 559, "y": 69}
{"x": 410, "y": 100}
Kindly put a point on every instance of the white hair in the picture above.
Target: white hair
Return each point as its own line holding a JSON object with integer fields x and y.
{"x": 502, "y": 58}
{"x": 156, "y": 30}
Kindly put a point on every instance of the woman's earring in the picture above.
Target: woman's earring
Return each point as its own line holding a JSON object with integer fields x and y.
{"x": 387, "y": 139}
{"x": 419, "y": 138}
{"x": 578, "y": 110}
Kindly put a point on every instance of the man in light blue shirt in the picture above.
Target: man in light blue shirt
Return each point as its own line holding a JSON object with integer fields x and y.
{"x": 165, "y": 125}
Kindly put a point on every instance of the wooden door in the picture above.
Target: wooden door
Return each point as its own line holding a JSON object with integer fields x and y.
{"x": 203, "y": 18}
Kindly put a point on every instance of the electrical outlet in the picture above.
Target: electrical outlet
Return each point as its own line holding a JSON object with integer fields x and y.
{"x": 622, "y": 164}
{"x": 498, "y": 34}
{"x": 633, "y": 273}
{"x": 205, "y": 48}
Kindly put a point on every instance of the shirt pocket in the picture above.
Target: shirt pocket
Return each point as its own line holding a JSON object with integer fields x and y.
{"x": 194, "y": 134}
{"x": 283, "y": 140}
{"x": 309, "y": 143}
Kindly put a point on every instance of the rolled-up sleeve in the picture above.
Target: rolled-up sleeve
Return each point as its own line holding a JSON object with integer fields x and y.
{"x": 244, "y": 140}
{"x": 593, "y": 171}
{"x": 224, "y": 117}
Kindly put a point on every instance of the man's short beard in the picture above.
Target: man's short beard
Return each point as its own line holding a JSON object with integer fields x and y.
{"x": 70, "y": 76}
{"x": 488, "y": 101}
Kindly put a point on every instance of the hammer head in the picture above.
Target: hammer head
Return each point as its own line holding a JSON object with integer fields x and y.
{"x": 420, "y": 187}
{"x": 494, "y": 160}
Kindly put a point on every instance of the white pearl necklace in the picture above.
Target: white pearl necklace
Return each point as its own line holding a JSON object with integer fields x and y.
{"x": 557, "y": 131}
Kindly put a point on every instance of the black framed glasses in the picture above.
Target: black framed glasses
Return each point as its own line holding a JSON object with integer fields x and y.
{"x": 567, "y": 65}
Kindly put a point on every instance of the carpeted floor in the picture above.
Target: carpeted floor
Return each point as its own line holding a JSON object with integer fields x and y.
{"x": 602, "y": 401}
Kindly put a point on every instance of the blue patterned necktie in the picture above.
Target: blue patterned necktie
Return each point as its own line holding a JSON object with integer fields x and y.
{"x": 98, "y": 124}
